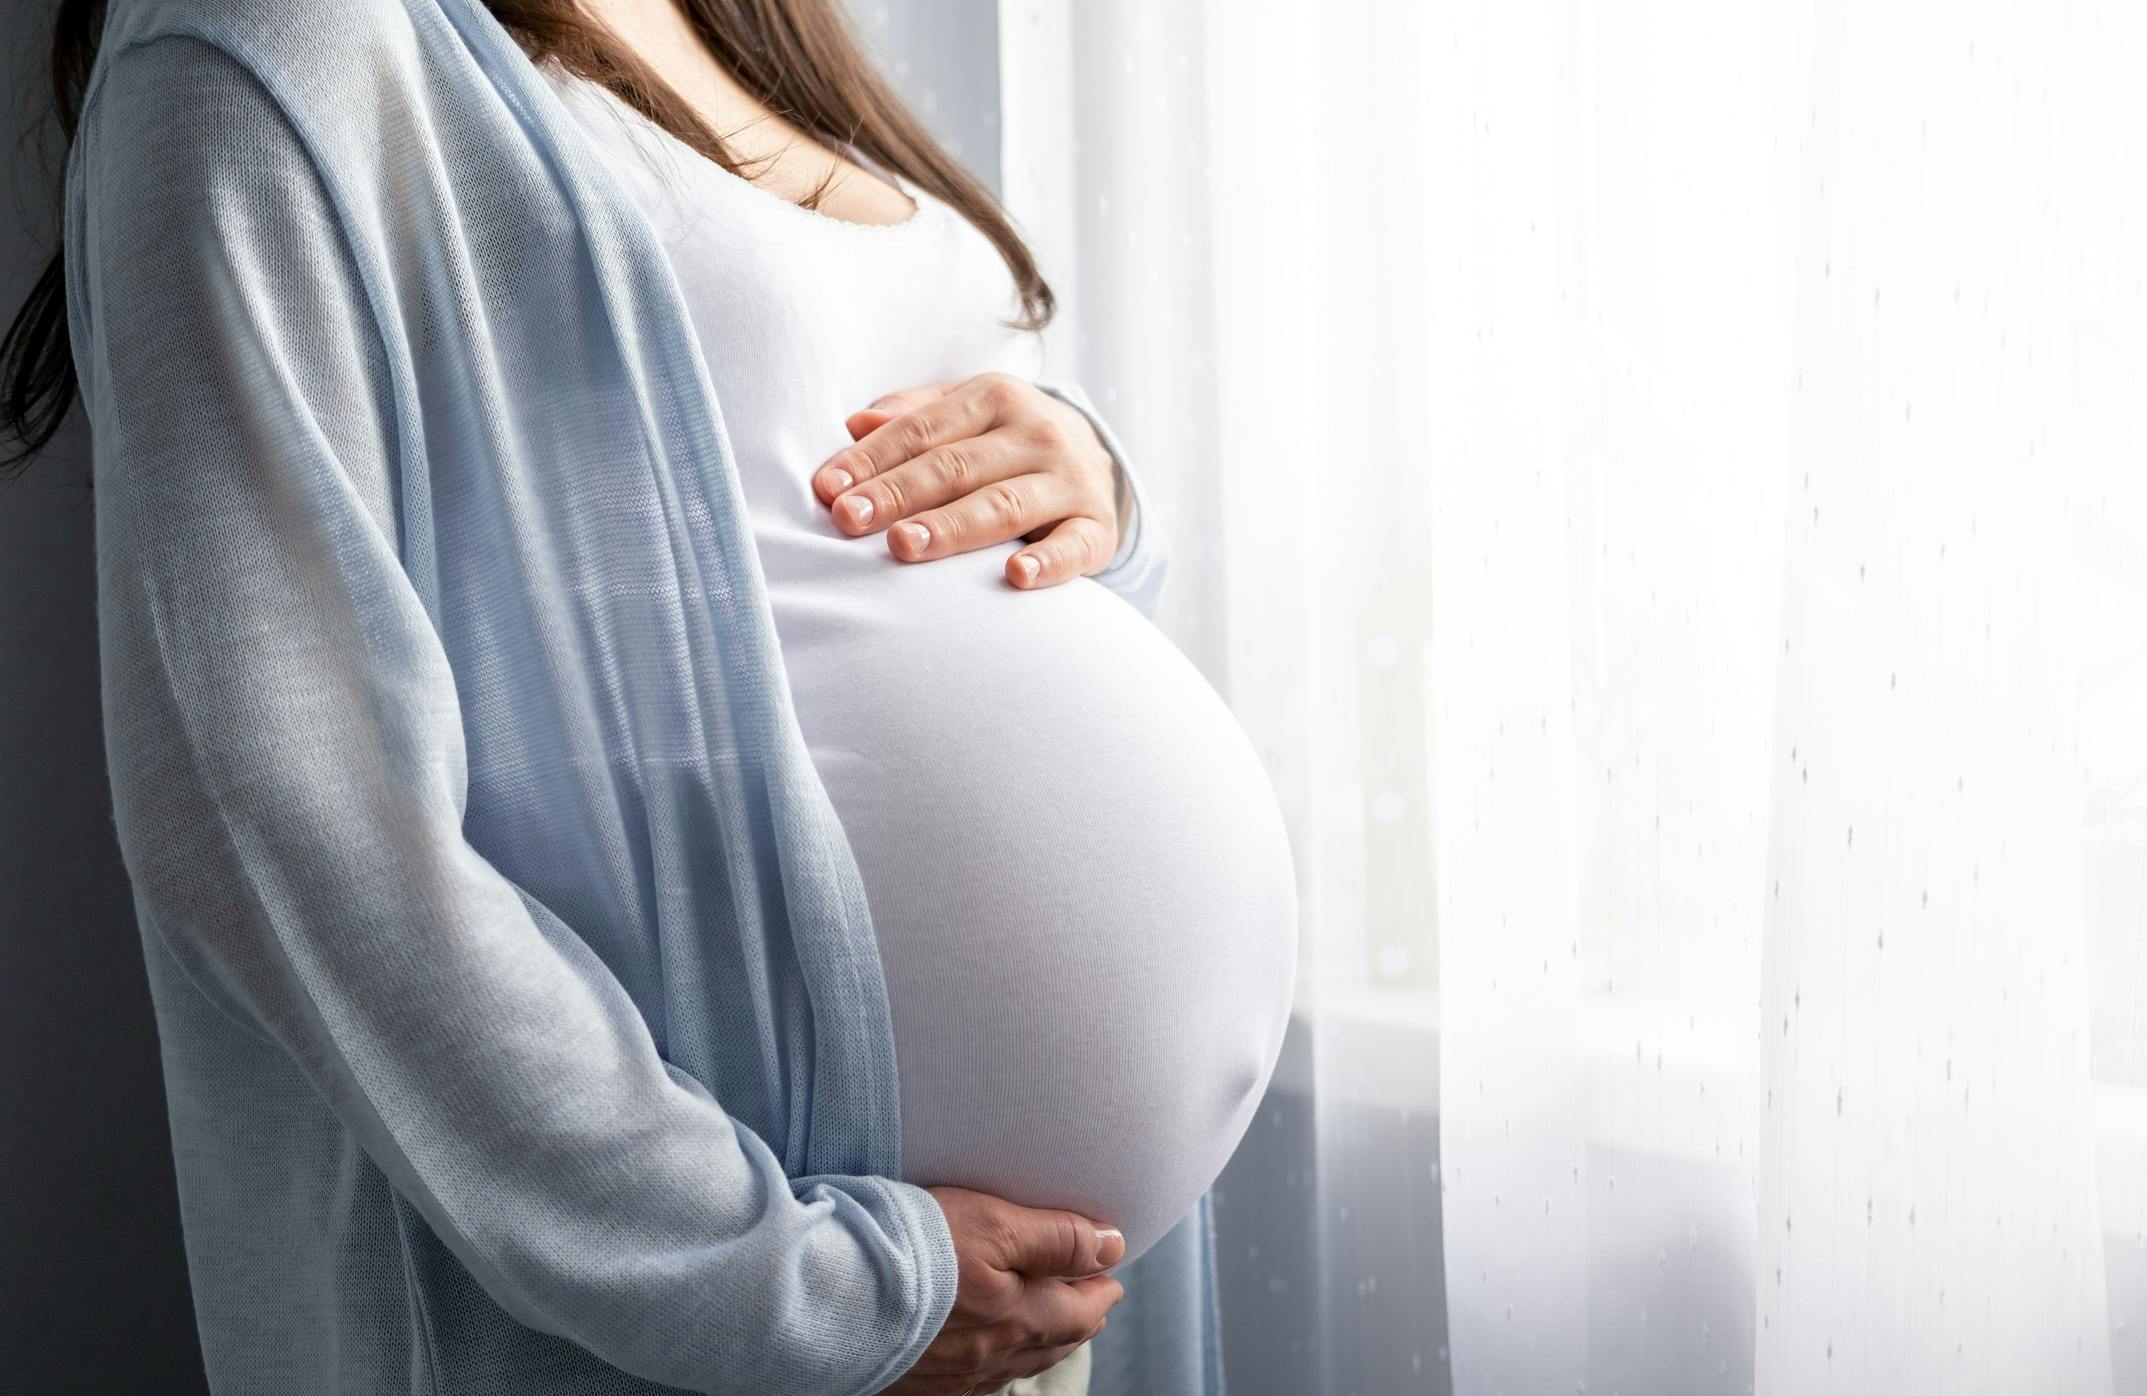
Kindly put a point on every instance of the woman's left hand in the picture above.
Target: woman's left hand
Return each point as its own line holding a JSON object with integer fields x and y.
{"x": 957, "y": 466}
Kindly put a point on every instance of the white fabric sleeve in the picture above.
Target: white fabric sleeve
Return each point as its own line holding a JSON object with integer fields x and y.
{"x": 1136, "y": 571}
{"x": 287, "y": 762}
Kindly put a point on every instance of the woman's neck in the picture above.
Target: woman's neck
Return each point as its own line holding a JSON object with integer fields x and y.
{"x": 661, "y": 35}
{"x": 775, "y": 154}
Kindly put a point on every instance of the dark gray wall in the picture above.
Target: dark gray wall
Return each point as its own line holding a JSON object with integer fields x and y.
{"x": 93, "y": 1290}
{"x": 93, "y": 1294}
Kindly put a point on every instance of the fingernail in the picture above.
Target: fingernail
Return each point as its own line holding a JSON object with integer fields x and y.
{"x": 914, "y": 534}
{"x": 1110, "y": 1244}
{"x": 1026, "y": 566}
{"x": 839, "y": 479}
{"x": 856, "y": 509}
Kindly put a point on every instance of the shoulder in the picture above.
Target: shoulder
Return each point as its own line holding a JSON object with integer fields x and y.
{"x": 189, "y": 175}
{"x": 289, "y": 29}
{"x": 309, "y": 68}
{"x": 265, "y": 90}
{"x": 200, "y": 227}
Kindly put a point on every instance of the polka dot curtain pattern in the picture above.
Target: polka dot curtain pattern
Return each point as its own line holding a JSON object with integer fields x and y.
{"x": 1663, "y": 486}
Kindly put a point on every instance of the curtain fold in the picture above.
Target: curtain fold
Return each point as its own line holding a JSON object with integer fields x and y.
{"x": 1662, "y": 486}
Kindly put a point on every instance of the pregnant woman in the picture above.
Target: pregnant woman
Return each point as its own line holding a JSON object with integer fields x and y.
{"x": 665, "y": 856}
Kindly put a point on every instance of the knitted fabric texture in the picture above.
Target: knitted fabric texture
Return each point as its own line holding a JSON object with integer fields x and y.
{"x": 522, "y": 1022}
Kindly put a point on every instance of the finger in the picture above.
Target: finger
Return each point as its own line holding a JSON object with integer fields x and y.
{"x": 1078, "y": 547}
{"x": 970, "y": 1352}
{"x": 992, "y": 513}
{"x": 889, "y": 406}
{"x": 1048, "y": 1241}
{"x": 971, "y": 409}
{"x": 910, "y": 398}
{"x": 1029, "y": 1361}
{"x": 865, "y": 421}
{"x": 1057, "y": 1314}
{"x": 940, "y": 475}
{"x": 900, "y": 438}
{"x": 1057, "y": 1311}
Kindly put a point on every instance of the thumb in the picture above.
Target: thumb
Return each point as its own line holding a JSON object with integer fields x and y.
{"x": 1046, "y": 1242}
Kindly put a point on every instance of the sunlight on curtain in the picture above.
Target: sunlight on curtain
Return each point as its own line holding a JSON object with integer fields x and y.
{"x": 1662, "y": 485}
{"x": 1189, "y": 199}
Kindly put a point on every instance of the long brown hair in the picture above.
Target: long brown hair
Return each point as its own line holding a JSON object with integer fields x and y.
{"x": 801, "y": 58}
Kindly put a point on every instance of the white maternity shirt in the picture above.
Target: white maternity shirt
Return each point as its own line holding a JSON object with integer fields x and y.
{"x": 1076, "y": 868}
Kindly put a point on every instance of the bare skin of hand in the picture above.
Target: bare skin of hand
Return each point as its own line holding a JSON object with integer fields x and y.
{"x": 956, "y": 466}
{"x": 1031, "y": 1290}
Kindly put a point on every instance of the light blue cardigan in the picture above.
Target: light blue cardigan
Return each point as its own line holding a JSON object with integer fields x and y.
{"x": 522, "y": 1021}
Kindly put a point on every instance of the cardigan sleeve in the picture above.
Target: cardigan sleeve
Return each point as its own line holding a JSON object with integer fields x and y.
{"x": 1136, "y": 571}
{"x": 287, "y": 763}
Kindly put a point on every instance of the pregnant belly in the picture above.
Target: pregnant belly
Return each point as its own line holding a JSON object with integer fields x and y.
{"x": 1077, "y": 871}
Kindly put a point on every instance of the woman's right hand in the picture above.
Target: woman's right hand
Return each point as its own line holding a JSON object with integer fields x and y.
{"x": 1031, "y": 1290}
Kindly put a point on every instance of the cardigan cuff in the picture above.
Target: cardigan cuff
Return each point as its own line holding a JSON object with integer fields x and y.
{"x": 922, "y": 1237}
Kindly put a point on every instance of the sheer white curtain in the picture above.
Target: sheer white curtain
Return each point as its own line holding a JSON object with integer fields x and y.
{"x": 1665, "y": 485}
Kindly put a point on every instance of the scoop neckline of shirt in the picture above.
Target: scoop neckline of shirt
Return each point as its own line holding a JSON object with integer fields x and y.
{"x": 923, "y": 205}
{"x": 915, "y": 220}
